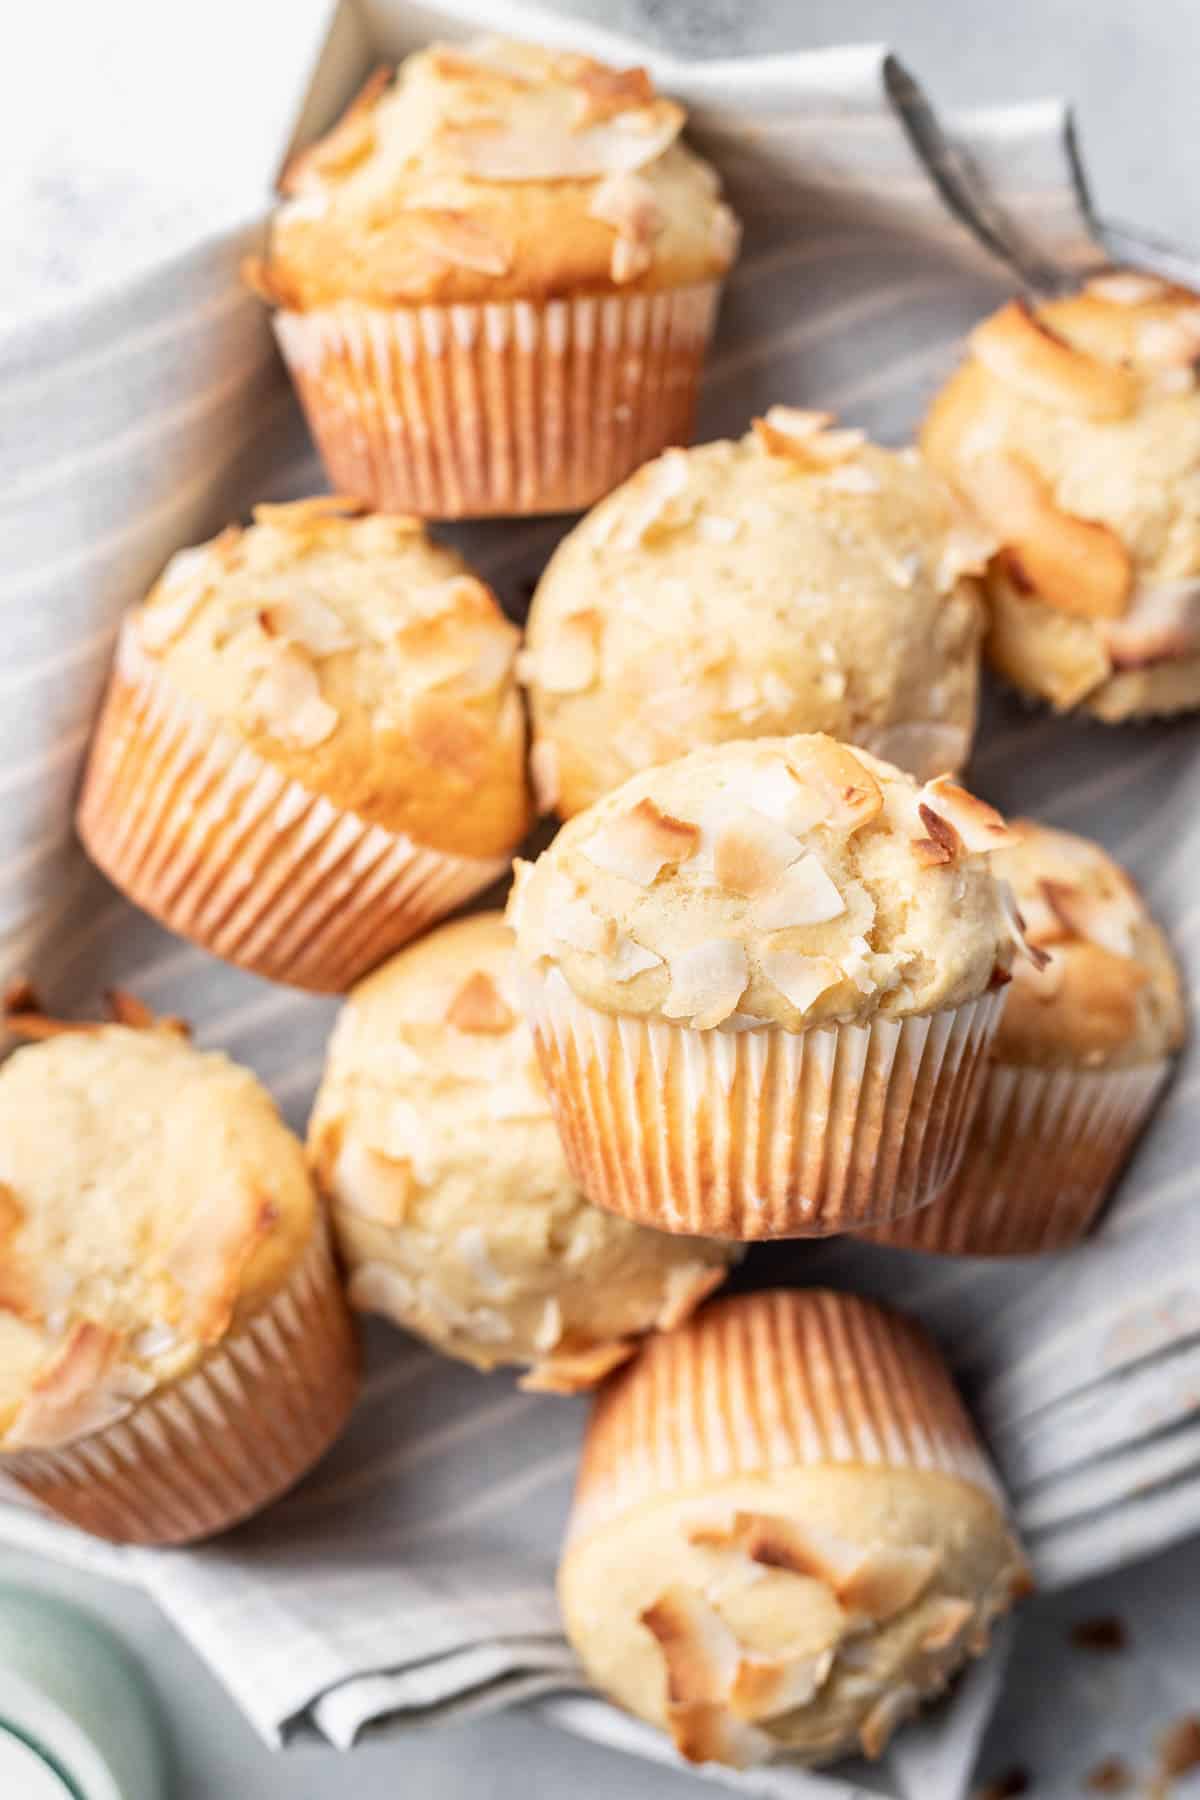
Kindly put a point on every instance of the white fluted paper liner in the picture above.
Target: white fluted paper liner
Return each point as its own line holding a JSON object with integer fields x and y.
{"x": 508, "y": 407}
{"x": 198, "y": 1455}
{"x": 205, "y": 835}
{"x": 1043, "y": 1152}
{"x": 777, "y": 1380}
{"x": 760, "y": 1133}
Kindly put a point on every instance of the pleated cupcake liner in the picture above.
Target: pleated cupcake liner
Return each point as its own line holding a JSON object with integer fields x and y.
{"x": 761, "y": 1133}
{"x": 196, "y": 1456}
{"x": 1044, "y": 1150}
{"x": 506, "y": 407}
{"x": 204, "y": 834}
{"x": 771, "y": 1381}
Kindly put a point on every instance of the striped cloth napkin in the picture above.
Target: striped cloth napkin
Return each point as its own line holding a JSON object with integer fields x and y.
{"x": 411, "y": 1576}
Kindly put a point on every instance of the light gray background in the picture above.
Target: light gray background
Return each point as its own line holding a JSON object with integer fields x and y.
{"x": 128, "y": 129}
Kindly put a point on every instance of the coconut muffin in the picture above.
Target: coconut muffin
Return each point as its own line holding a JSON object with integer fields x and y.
{"x": 1074, "y": 430}
{"x": 762, "y": 980}
{"x": 785, "y": 1535}
{"x": 798, "y": 580}
{"x": 312, "y": 746}
{"x": 175, "y": 1349}
{"x": 455, "y": 1212}
{"x": 495, "y": 280}
{"x": 1083, "y": 1049}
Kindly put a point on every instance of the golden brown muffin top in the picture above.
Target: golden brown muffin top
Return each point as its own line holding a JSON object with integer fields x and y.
{"x": 456, "y": 1213}
{"x": 360, "y": 658}
{"x": 800, "y": 579}
{"x": 151, "y": 1200}
{"x": 786, "y": 881}
{"x": 1074, "y": 429}
{"x": 1109, "y": 995}
{"x": 497, "y": 170}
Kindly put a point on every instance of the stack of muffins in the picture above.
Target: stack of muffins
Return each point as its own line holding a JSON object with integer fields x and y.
{"x": 778, "y": 974}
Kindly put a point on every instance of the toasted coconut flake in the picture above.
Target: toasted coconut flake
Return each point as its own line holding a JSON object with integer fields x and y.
{"x": 471, "y": 1249}
{"x": 376, "y": 1287}
{"x": 1077, "y": 565}
{"x": 479, "y": 1007}
{"x": 351, "y": 139}
{"x": 715, "y": 528}
{"x": 1162, "y": 622}
{"x": 1172, "y": 343}
{"x": 12, "y": 1214}
{"x": 687, "y": 1284}
{"x": 786, "y": 430}
{"x": 287, "y": 702}
{"x": 36, "y": 1026}
{"x": 573, "y": 921}
{"x": 948, "y": 1618}
{"x": 780, "y": 1543}
{"x": 751, "y": 853}
{"x": 1126, "y": 287}
{"x": 942, "y": 846}
{"x": 854, "y": 796}
{"x": 307, "y": 622}
{"x": 457, "y": 239}
{"x": 603, "y": 92}
{"x": 184, "y": 583}
{"x": 890, "y": 1710}
{"x": 852, "y": 478}
{"x": 762, "y": 1688}
{"x": 544, "y": 774}
{"x": 628, "y": 959}
{"x": 371, "y": 1185}
{"x": 802, "y": 437}
{"x": 704, "y": 1733}
{"x": 803, "y": 894}
{"x": 295, "y": 515}
{"x": 800, "y": 979}
{"x": 627, "y": 203}
{"x": 568, "y": 661}
{"x": 1011, "y": 914}
{"x": 887, "y": 1580}
{"x": 699, "y": 1649}
{"x": 637, "y": 844}
{"x": 540, "y": 142}
{"x": 576, "y": 1371}
{"x": 1107, "y": 920}
{"x": 980, "y": 827}
{"x": 706, "y": 983}
{"x": 656, "y": 501}
{"x": 1021, "y": 350}
{"x": 69, "y": 1397}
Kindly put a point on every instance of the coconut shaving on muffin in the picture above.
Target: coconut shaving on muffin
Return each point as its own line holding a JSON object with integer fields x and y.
{"x": 1074, "y": 431}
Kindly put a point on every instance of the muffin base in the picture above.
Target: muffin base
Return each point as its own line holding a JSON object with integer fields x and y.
{"x": 1044, "y": 1149}
{"x": 508, "y": 407}
{"x": 764, "y": 1133}
{"x": 206, "y": 836}
{"x": 770, "y": 1381}
{"x": 210, "y": 1449}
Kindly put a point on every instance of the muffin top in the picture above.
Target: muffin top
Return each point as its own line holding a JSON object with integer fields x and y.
{"x": 1107, "y": 993}
{"x": 808, "y": 1592}
{"x": 800, "y": 579}
{"x": 433, "y": 1137}
{"x": 492, "y": 170}
{"x": 358, "y": 657}
{"x": 785, "y": 881}
{"x": 151, "y": 1199}
{"x": 1074, "y": 429}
